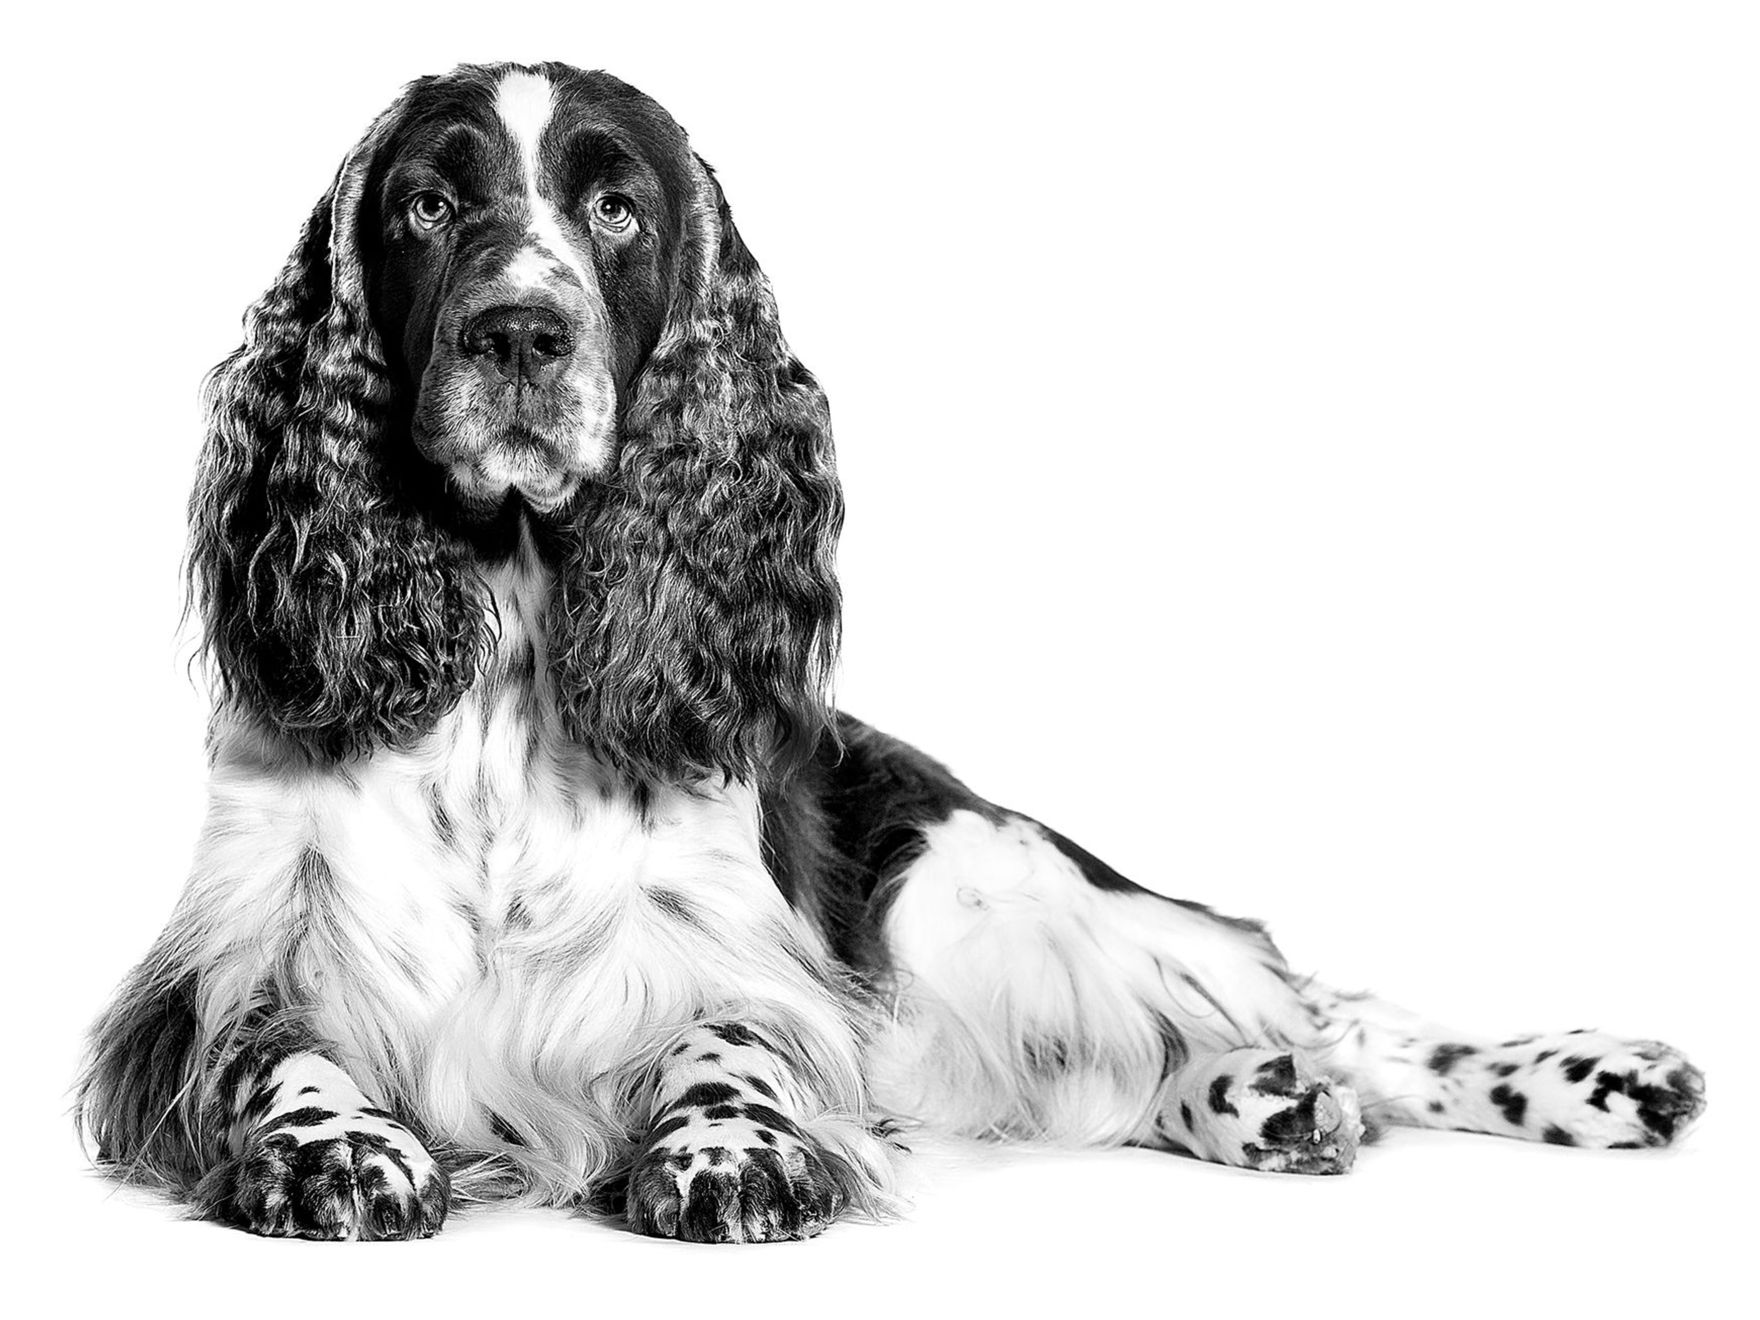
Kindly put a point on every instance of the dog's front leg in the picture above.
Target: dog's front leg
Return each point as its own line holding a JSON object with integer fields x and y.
{"x": 726, "y": 1158}
{"x": 309, "y": 1155}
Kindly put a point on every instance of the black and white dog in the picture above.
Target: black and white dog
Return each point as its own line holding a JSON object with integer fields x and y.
{"x": 536, "y": 864}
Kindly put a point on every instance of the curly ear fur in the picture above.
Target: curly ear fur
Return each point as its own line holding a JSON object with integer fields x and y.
{"x": 334, "y": 611}
{"x": 698, "y": 619}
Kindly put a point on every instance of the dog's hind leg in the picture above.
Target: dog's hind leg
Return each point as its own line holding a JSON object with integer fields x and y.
{"x": 1046, "y": 996}
{"x": 1037, "y": 994}
{"x": 1578, "y": 1088}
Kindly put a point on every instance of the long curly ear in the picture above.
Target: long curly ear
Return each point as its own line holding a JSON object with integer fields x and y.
{"x": 334, "y": 611}
{"x": 698, "y": 619}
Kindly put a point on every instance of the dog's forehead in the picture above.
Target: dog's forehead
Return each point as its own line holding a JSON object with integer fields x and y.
{"x": 494, "y": 122}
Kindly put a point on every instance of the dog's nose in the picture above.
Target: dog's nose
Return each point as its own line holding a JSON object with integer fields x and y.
{"x": 523, "y": 341}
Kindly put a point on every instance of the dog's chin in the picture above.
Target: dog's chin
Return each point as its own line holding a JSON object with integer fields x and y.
{"x": 548, "y": 494}
{"x": 519, "y": 469}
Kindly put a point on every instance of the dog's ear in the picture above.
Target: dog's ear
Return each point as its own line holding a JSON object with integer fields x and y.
{"x": 334, "y": 612}
{"x": 698, "y": 617}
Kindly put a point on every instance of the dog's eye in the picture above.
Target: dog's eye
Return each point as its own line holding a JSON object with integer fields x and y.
{"x": 429, "y": 210}
{"x": 614, "y": 212}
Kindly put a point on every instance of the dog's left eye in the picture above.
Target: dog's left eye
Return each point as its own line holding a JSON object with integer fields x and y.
{"x": 429, "y": 210}
{"x": 614, "y": 212}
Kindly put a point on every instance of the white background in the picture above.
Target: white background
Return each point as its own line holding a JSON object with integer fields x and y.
{"x": 1305, "y": 453}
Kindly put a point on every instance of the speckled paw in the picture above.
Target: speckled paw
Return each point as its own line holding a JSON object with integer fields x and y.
{"x": 1299, "y": 1122}
{"x": 731, "y": 1172}
{"x": 315, "y": 1173}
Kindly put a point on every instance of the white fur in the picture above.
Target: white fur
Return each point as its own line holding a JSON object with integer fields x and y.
{"x": 1011, "y": 953}
{"x": 481, "y": 936}
{"x": 525, "y": 102}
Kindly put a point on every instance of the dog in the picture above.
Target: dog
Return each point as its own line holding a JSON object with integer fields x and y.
{"x": 537, "y": 865}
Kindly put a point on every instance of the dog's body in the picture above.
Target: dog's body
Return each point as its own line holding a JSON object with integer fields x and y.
{"x": 534, "y": 864}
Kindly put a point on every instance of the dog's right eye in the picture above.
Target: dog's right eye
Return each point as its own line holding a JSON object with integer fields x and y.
{"x": 429, "y": 210}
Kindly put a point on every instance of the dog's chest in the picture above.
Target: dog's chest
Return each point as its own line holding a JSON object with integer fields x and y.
{"x": 493, "y": 893}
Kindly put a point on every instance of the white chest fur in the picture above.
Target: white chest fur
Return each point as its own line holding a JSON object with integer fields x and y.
{"x": 487, "y": 927}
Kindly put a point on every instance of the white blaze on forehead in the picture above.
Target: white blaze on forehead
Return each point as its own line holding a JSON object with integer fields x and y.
{"x": 525, "y": 102}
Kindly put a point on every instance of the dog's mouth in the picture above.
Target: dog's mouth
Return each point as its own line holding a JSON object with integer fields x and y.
{"x": 494, "y": 438}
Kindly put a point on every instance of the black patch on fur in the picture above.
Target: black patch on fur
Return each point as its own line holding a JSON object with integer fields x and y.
{"x": 759, "y": 1085}
{"x": 1663, "y": 1108}
{"x": 1557, "y": 1136}
{"x": 1606, "y": 1084}
{"x": 1102, "y": 876}
{"x": 704, "y": 1094}
{"x": 1292, "y": 1126}
{"x": 723, "y": 1111}
{"x": 1219, "y": 1096}
{"x": 1576, "y": 1068}
{"x": 1445, "y": 1057}
{"x": 1185, "y": 1115}
{"x": 774, "y": 1119}
{"x": 1505, "y": 1069}
{"x": 734, "y": 1034}
{"x": 842, "y": 831}
{"x": 258, "y": 1104}
{"x": 310, "y": 1116}
{"x": 1278, "y": 1077}
{"x": 1513, "y": 1103}
{"x": 663, "y": 1129}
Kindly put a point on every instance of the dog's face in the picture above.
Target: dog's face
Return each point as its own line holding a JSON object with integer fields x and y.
{"x": 526, "y": 230}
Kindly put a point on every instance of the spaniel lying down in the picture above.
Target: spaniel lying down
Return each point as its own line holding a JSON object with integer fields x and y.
{"x": 536, "y": 865}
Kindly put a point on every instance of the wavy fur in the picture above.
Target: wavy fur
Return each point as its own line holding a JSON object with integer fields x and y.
{"x": 698, "y": 617}
{"x": 335, "y": 611}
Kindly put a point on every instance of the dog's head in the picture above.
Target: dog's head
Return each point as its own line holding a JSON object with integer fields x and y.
{"x": 523, "y": 300}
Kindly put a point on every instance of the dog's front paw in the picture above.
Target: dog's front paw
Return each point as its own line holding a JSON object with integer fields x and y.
{"x": 317, "y": 1173}
{"x": 731, "y": 1173}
